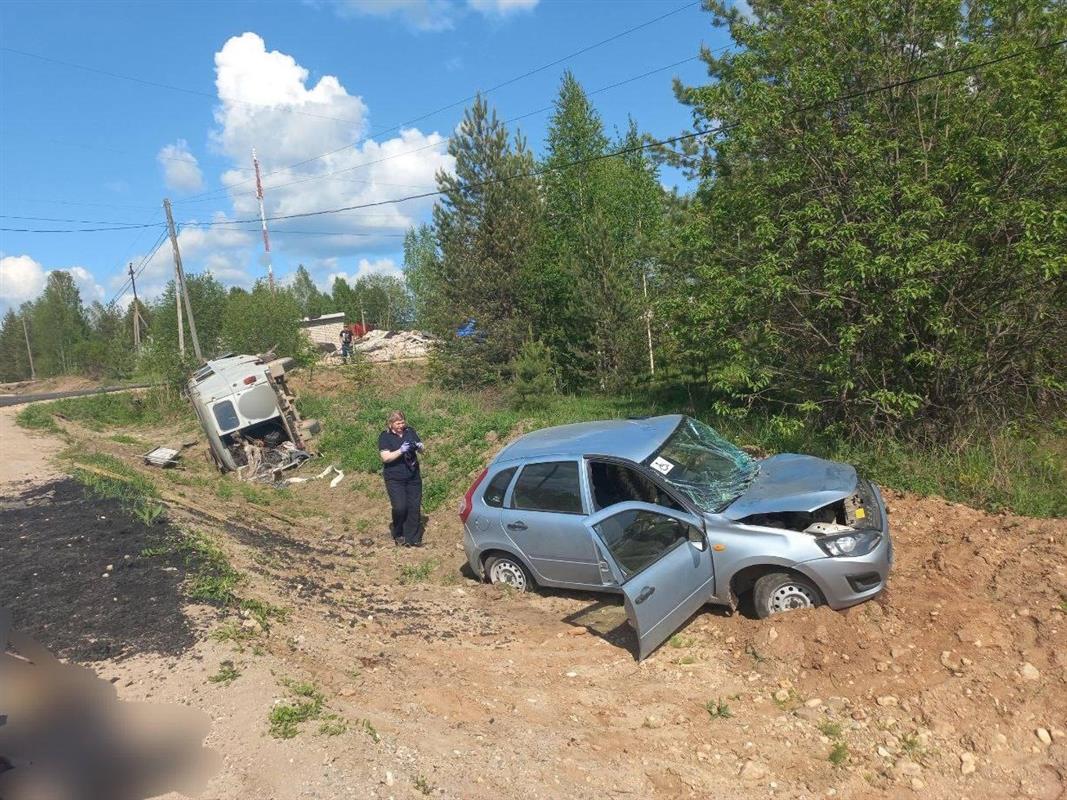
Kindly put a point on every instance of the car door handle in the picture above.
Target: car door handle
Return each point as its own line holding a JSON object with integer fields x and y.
{"x": 646, "y": 593}
{"x": 516, "y": 526}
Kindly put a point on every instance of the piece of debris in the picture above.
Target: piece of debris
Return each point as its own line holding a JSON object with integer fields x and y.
{"x": 162, "y": 457}
{"x": 381, "y": 346}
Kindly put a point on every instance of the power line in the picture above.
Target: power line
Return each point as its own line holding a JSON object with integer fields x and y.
{"x": 332, "y": 175}
{"x": 465, "y": 100}
{"x": 669, "y": 141}
{"x": 646, "y": 145}
{"x": 182, "y": 89}
{"x": 140, "y": 267}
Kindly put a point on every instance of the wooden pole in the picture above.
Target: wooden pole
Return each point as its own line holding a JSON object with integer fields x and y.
{"x": 648, "y": 325}
{"x": 29, "y": 353}
{"x": 181, "y": 285}
{"x": 136, "y": 316}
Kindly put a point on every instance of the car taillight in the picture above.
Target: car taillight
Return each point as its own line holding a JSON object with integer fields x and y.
{"x": 468, "y": 499}
{"x": 249, "y": 380}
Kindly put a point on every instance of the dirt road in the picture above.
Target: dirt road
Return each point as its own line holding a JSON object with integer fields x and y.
{"x": 26, "y": 457}
{"x": 953, "y": 684}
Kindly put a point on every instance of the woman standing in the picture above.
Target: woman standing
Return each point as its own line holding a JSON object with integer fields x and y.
{"x": 399, "y": 447}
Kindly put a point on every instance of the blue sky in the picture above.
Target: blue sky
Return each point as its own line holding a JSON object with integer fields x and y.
{"x": 295, "y": 80}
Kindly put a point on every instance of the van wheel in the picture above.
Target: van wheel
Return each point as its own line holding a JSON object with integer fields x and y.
{"x": 776, "y": 592}
{"x": 508, "y": 571}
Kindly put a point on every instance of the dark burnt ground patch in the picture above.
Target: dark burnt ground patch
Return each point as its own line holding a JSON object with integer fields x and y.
{"x": 56, "y": 542}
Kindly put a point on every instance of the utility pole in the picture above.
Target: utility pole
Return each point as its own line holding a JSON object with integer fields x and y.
{"x": 29, "y": 353}
{"x": 180, "y": 285}
{"x": 263, "y": 220}
{"x": 648, "y": 324}
{"x": 136, "y": 314}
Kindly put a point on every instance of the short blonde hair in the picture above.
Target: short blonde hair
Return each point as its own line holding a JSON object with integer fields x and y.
{"x": 396, "y": 415}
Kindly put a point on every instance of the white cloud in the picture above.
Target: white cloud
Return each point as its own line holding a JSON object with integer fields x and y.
{"x": 228, "y": 252}
{"x": 21, "y": 279}
{"x": 365, "y": 267}
{"x": 353, "y": 172}
{"x": 502, "y": 8}
{"x": 181, "y": 171}
{"x": 430, "y": 15}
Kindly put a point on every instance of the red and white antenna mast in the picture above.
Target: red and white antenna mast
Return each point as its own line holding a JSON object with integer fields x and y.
{"x": 263, "y": 220}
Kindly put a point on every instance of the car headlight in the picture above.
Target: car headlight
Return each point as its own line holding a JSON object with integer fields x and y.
{"x": 859, "y": 543}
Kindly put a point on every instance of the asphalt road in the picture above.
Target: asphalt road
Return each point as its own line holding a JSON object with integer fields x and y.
{"x": 16, "y": 399}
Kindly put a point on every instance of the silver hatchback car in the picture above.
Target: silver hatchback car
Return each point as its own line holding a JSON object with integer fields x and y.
{"x": 673, "y": 516}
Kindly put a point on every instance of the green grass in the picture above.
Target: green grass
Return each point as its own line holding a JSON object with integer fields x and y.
{"x": 830, "y": 729}
{"x": 227, "y": 673}
{"x": 838, "y": 754}
{"x": 102, "y": 411}
{"x": 285, "y": 718}
{"x": 718, "y": 709}
{"x": 417, "y": 573}
{"x": 122, "y": 438}
{"x": 37, "y": 417}
{"x": 423, "y": 785}
{"x": 369, "y": 729}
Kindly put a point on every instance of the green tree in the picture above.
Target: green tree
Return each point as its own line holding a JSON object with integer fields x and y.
{"x": 597, "y": 237}
{"x": 14, "y": 363}
{"x": 311, "y": 301}
{"x": 889, "y": 259}
{"x": 423, "y": 276}
{"x": 263, "y": 321}
{"x": 486, "y": 225}
{"x": 59, "y": 326}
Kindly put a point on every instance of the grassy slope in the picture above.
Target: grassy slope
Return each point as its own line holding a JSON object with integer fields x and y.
{"x": 1017, "y": 470}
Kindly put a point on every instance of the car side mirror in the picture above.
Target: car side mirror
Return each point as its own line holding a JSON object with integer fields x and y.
{"x": 697, "y": 537}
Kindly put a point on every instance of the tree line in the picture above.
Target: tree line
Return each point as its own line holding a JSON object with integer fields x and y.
{"x": 875, "y": 237}
{"x": 67, "y": 337}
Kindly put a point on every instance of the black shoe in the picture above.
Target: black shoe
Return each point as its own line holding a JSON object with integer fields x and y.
{"x": 399, "y": 541}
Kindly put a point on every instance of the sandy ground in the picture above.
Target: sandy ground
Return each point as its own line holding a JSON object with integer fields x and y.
{"x": 952, "y": 684}
{"x": 25, "y": 458}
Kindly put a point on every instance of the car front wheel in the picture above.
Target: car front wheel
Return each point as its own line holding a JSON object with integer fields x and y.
{"x": 508, "y": 571}
{"x": 776, "y": 592}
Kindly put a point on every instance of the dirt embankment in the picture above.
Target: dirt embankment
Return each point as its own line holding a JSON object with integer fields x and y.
{"x": 952, "y": 684}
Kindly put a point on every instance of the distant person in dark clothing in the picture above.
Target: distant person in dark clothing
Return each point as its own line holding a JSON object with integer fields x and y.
{"x": 346, "y": 343}
{"x": 399, "y": 447}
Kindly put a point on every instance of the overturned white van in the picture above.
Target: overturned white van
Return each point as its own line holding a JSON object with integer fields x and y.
{"x": 248, "y": 415}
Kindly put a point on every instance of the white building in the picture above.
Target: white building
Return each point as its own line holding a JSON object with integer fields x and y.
{"x": 325, "y": 329}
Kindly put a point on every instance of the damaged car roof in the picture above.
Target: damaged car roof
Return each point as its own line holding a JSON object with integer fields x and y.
{"x": 633, "y": 439}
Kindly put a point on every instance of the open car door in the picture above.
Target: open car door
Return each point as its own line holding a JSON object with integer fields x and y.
{"x": 662, "y": 563}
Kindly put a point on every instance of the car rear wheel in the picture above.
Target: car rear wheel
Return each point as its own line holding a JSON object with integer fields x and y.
{"x": 508, "y": 571}
{"x": 776, "y": 592}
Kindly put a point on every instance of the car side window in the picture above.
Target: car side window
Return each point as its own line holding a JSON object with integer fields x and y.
{"x": 551, "y": 486}
{"x": 638, "y": 538}
{"x": 498, "y": 487}
{"x": 617, "y": 483}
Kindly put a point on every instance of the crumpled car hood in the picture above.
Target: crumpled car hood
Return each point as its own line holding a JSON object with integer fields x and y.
{"x": 792, "y": 482}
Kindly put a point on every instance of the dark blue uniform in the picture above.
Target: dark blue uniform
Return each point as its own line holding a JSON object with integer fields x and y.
{"x": 403, "y": 482}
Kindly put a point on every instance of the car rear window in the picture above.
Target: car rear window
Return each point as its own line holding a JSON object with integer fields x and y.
{"x": 552, "y": 486}
{"x": 226, "y": 416}
{"x": 498, "y": 487}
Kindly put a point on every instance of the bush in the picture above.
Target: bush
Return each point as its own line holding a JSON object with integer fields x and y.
{"x": 532, "y": 382}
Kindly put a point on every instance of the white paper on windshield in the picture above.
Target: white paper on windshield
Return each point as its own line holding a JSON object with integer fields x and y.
{"x": 661, "y": 465}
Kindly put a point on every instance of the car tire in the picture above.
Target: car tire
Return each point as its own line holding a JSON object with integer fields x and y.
{"x": 777, "y": 592}
{"x": 509, "y": 571}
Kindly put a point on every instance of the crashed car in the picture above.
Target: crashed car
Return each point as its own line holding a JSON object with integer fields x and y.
{"x": 673, "y": 516}
{"x": 248, "y": 415}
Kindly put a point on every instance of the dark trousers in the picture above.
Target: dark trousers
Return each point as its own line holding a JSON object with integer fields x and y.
{"x": 406, "y": 499}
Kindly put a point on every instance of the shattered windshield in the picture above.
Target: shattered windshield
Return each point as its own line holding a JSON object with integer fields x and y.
{"x": 702, "y": 465}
